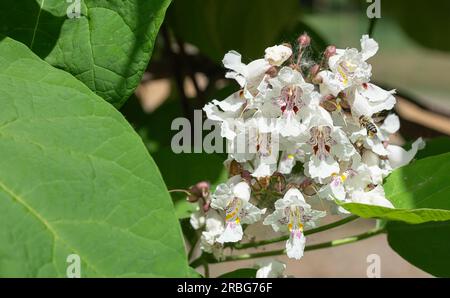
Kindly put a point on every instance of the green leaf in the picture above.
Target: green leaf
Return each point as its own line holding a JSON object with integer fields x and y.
{"x": 419, "y": 192}
{"x": 217, "y": 27}
{"x": 434, "y": 146}
{"x": 424, "y": 245}
{"x": 107, "y": 47}
{"x": 76, "y": 179}
{"x": 426, "y": 24}
{"x": 240, "y": 273}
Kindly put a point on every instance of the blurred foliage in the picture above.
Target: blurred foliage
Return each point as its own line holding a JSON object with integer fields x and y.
{"x": 424, "y": 21}
{"x": 217, "y": 27}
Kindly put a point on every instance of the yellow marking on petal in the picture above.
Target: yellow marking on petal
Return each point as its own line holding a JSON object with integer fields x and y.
{"x": 290, "y": 227}
{"x": 290, "y": 156}
{"x": 230, "y": 215}
{"x": 343, "y": 75}
{"x": 343, "y": 177}
{"x": 237, "y": 220}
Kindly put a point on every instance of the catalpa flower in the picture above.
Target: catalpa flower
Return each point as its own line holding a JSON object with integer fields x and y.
{"x": 292, "y": 214}
{"x": 348, "y": 68}
{"x": 318, "y": 128}
{"x": 327, "y": 145}
{"x": 233, "y": 198}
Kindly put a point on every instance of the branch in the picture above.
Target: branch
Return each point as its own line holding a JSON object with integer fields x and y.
{"x": 210, "y": 259}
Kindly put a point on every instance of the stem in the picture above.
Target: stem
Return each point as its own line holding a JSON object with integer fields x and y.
{"x": 372, "y": 23}
{"x": 309, "y": 232}
{"x": 206, "y": 267}
{"x": 180, "y": 190}
{"x": 194, "y": 245}
{"x": 327, "y": 244}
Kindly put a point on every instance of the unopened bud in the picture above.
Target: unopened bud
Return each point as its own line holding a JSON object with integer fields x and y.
{"x": 304, "y": 40}
{"x": 199, "y": 190}
{"x": 246, "y": 175}
{"x": 329, "y": 51}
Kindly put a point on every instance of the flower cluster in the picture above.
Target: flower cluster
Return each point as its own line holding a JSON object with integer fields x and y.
{"x": 300, "y": 132}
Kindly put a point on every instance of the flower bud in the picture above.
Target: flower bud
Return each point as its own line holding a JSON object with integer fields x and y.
{"x": 329, "y": 51}
{"x": 246, "y": 175}
{"x": 304, "y": 40}
{"x": 199, "y": 190}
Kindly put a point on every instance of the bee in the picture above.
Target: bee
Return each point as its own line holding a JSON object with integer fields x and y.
{"x": 366, "y": 122}
{"x": 379, "y": 117}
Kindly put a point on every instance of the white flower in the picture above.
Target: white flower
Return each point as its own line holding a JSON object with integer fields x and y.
{"x": 292, "y": 100}
{"x": 270, "y": 269}
{"x": 226, "y": 112}
{"x": 375, "y": 197}
{"x": 355, "y": 175}
{"x": 327, "y": 145}
{"x": 367, "y": 99}
{"x": 197, "y": 218}
{"x": 376, "y": 142}
{"x": 276, "y": 55}
{"x": 233, "y": 198}
{"x": 348, "y": 68}
{"x": 291, "y": 214}
{"x": 399, "y": 157}
{"x": 214, "y": 227}
{"x": 249, "y": 76}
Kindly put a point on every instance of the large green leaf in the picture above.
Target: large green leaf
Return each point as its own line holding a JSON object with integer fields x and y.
{"x": 419, "y": 191}
{"x": 107, "y": 48}
{"x": 426, "y": 245}
{"x": 216, "y": 27}
{"x": 76, "y": 179}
